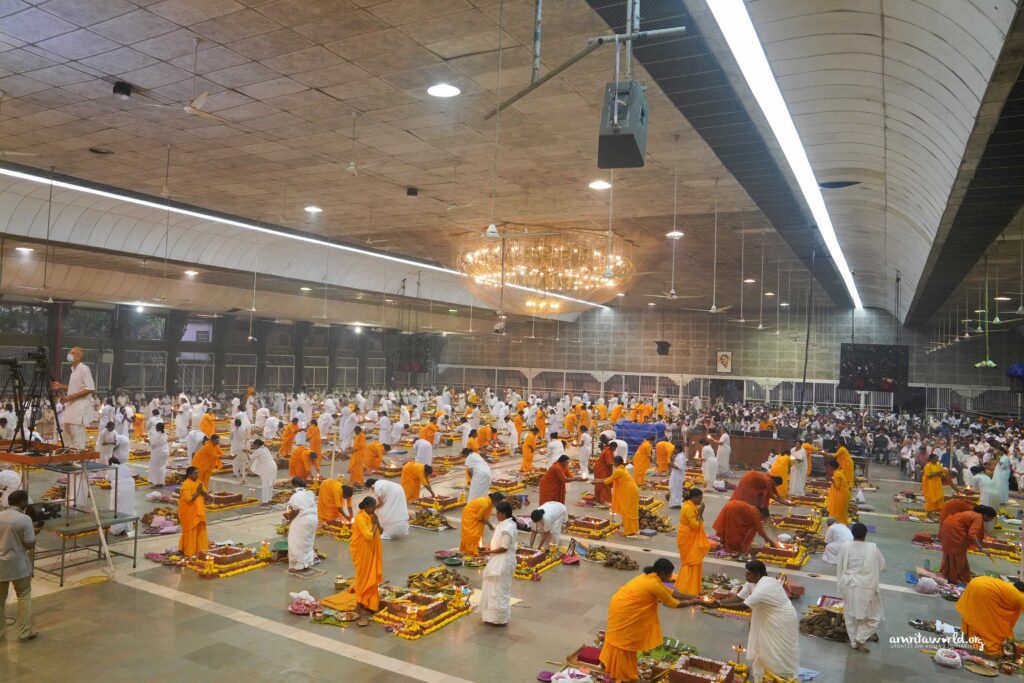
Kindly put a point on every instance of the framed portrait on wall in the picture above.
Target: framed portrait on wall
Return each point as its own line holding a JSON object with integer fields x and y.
{"x": 723, "y": 361}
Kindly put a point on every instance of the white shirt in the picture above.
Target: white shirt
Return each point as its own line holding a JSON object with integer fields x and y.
{"x": 423, "y": 451}
{"x": 555, "y": 517}
{"x": 77, "y": 409}
{"x": 555, "y": 451}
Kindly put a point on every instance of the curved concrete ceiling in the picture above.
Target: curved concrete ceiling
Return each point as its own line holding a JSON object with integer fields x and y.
{"x": 894, "y": 115}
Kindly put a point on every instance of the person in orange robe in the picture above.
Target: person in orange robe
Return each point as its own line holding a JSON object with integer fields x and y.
{"x": 809, "y": 449}
{"x": 633, "y": 624}
{"x": 192, "y": 499}
{"x": 692, "y": 542}
{"x": 375, "y": 454}
{"x": 207, "y": 459}
{"x": 957, "y": 534}
{"x": 288, "y": 437}
{"x": 302, "y": 462}
{"x": 552, "y": 483}
{"x": 642, "y": 462}
{"x": 758, "y": 489}
{"x": 541, "y": 421}
{"x": 932, "y": 477}
{"x": 484, "y": 436}
{"x": 570, "y": 425}
{"x": 602, "y": 411}
{"x": 661, "y": 408}
{"x": 334, "y": 501}
{"x": 663, "y": 452}
{"x": 367, "y": 555}
{"x": 139, "y": 426}
{"x": 603, "y": 469}
{"x": 736, "y": 526}
{"x": 313, "y": 438}
{"x": 357, "y": 462}
{"x": 520, "y": 424}
{"x": 207, "y": 423}
{"x": 415, "y": 475}
{"x": 634, "y": 413}
{"x": 475, "y": 516}
{"x": 954, "y": 506}
{"x": 429, "y": 430}
{"x": 780, "y": 468}
{"x": 838, "y": 500}
{"x": 845, "y": 461}
{"x": 989, "y": 608}
{"x": 529, "y": 448}
{"x": 586, "y": 419}
{"x": 625, "y": 498}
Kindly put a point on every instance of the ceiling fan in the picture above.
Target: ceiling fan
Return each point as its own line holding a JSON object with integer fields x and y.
{"x": 194, "y": 107}
{"x": 743, "y": 272}
{"x": 715, "y": 309}
{"x": 760, "y": 315}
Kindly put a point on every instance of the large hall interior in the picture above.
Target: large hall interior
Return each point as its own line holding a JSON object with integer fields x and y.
{"x": 511, "y": 340}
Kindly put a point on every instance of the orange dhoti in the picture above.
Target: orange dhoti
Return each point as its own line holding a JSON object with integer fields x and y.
{"x": 633, "y": 625}
{"x": 192, "y": 517}
{"x": 368, "y": 560}
{"x": 990, "y": 608}
{"x": 737, "y": 525}
{"x": 693, "y": 546}
{"x": 474, "y": 519}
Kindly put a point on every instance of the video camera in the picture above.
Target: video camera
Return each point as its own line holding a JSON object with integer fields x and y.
{"x": 40, "y": 512}
{"x": 39, "y": 355}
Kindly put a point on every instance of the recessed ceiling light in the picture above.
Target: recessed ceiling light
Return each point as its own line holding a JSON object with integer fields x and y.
{"x": 675, "y": 234}
{"x": 24, "y": 250}
{"x": 651, "y": 303}
{"x": 621, "y": 294}
{"x": 306, "y": 289}
{"x": 443, "y": 90}
{"x": 191, "y": 273}
{"x": 1001, "y": 298}
{"x": 453, "y": 310}
{"x": 980, "y": 310}
{"x": 599, "y": 185}
{"x": 769, "y": 293}
{"x": 140, "y": 308}
{"x": 389, "y": 301}
{"x": 784, "y": 303}
{"x": 359, "y": 329}
{"x": 749, "y": 281}
{"x": 313, "y": 209}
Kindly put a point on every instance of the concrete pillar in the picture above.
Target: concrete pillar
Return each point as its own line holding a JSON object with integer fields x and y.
{"x": 261, "y": 331}
{"x": 300, "y": 334}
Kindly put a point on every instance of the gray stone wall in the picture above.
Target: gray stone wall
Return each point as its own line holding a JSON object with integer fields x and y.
{"x": 624, "y": 341}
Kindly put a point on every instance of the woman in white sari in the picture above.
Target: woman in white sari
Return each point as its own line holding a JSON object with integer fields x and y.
{"x": 158, "y": 454}
{"x": 302, "y": 529}
{"x": 496, "y": 592}
{"x": 677, "y": 480}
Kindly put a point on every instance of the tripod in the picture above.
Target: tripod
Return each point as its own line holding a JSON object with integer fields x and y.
{"x": 29, "y": 403}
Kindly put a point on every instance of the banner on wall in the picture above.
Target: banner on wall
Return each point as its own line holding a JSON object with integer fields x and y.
{"x": 723, "y": 360}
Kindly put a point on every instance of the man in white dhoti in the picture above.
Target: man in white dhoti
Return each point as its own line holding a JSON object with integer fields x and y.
{"x": 509, "y": 437}
{"x": 548, "y": 521}
{"x": 122, "y": 495}
{"x": 798, "y": 470}
{"x": 479, "y": 476}
{"x": 384, "y": 429}
{"x": 709, "y": 464}
{"x": 271, "y": 427}
{"x": 263, "y": 465}
{"x": 496, "y": 589}
{"x": 584, "y": 450}
{"x": 837, "y": 535}
{"x": 724, "y": 452}
{"x": 677, "y": 479}
{"x": 302, "y": 529}
{"x": 391, "y": 508}
{"x": 182, "y": 417}
{"x": 347, "y": 428}
{"x": 423, "y": 452}
{"x": 397, "y": 429}
{"x": 79, "y": 388}
{"x": 463, "y": 431}
{"x": 193, "y": 442}
{"x": 262, "y": 413}
{"x": 858, "y": 574}
{"x": 158, "y": 455}
{"x": 774, "y": 641}
{"x": 240, "y": 435}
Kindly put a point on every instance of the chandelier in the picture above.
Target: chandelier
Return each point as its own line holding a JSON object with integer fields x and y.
{"x": 574, "y": 264}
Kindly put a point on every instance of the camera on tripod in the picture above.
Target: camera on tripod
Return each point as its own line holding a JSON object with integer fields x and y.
{"x": 39, "y": 355}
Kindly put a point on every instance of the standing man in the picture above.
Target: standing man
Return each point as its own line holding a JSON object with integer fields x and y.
{"x": 17, "y": 538}
{"x": 391, "y": 508}
{"x": 858, "y": 574}
{"x": 79, "y": 388}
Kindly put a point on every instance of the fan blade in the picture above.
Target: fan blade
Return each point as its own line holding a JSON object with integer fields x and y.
{"x": 658, "y": 296}
{"x": 205, "y": 115}
{"x": 5, "y": 153}
{"x": 199, "y": 101}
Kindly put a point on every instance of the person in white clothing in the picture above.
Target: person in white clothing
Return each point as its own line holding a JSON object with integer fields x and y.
{"x": 584, "y": 449}
{"x": 837, "y": 535}
{"x": 391, "y": 508}
{"x": 122, "y": 496}
{"x": 10, "y": 481}
{"x": 463, "y": 431}
{"x": 724, "y": 452}
{"x": 677, "y": 480}
{"x": 548, "y": 521}
{"x": 621, "y": 449}
{"x": 79, "y": 404}
{"x": 774, "y": 641}
{"x": 496, "y": 589}
{"x": 397, "y": 429}
{"x": 423, "y": 452}
{"x": 263, "y": 465}
{"x": 240, "y": 435}
{"x": 182, "y": 417}
{"x": 301, "y": 512}
{"x": 122, "y": 449}
{"x": 556, "y": 449}
{"x": 384, "y": 429}
{"x": 193, "y": 442}
{"x": 709, "y": 464}
{"x": 262, "y": 413}
{"x": 158, "y": 454}
{"x": 858, "y": 573}
{"x": 479, "y": 475}
{"x": 798, "y": 471}
{"x": 106, "y": 439}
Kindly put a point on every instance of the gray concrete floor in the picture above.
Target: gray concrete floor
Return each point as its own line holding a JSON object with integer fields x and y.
{"x": 157, "y": 623}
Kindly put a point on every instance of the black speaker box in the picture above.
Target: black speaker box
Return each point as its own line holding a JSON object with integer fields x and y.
{"x": 623, "y": 140}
